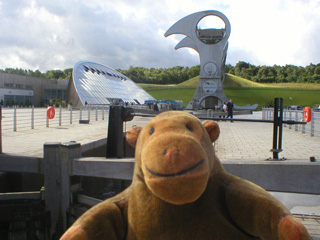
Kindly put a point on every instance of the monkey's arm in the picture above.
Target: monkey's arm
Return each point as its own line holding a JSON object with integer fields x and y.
{"x": 258, "y": 213}
{"x": 107, "y": 221}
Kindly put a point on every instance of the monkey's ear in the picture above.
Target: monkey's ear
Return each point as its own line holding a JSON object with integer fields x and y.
{"x": 212, "y": 128}
{"x": 132, "y": 135}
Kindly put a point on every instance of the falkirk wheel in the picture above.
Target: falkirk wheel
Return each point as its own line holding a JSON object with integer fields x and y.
{"x": 212, "y": 46}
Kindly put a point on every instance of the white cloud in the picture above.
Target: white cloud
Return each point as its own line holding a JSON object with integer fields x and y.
{"x": 276, "y": 31}
{"x": 56, "y": 34}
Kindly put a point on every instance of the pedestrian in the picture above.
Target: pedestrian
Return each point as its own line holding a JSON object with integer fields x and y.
{"x": 224, "y": 107}
{"x": 230, "y": 109}
{"x": 155, "y": 107}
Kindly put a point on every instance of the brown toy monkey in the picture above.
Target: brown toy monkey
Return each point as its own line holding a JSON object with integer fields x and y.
{"x": 181, "y": 191}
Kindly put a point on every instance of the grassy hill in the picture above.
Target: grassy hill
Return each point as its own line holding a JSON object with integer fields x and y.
{"x": 235, "y": 81}
{"x": 230, "y": 81}
{"x": 243, "y": 91}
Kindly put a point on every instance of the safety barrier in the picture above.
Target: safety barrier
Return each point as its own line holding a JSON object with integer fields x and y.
{"x": 17, "y": 119}
{"x": 277, "y": 122}
{"x": 312, "y": 128}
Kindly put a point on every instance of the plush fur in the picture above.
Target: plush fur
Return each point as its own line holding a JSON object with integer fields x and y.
{"x": 181, "y": 191}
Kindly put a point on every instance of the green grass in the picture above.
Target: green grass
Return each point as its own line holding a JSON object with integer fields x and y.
{"x": 192, "y": 82}
{"x": 235, "y": 81}
{"x": 184, "y": 94}
{"x": 147, "y": 86}
{"x": 262, "y": 96}
{"x": 243, "y": 92}
{"x": 294, "y": 85}
{"x": 230, "y": 81}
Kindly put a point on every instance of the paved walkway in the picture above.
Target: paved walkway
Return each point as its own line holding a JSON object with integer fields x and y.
{"x": 241, "y": 141}
{"x": 253, "y": 141}
{"x": 244, "y": 141}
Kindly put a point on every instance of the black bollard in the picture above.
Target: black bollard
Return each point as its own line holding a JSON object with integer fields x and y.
{"x": 115, "y": 142}
{"x": 277, "y": 128}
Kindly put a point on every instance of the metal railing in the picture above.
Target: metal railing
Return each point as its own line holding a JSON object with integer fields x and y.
{"x": 312, "y": 128}
{"x": 17, "y": 119}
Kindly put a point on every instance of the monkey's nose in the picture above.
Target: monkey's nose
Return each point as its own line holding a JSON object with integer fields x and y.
{"x": 171, "y": 153}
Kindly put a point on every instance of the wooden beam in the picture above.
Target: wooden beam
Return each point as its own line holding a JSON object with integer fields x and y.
{"x": 279, "y": 176}
{"x": 102, "y": 167}
{"x": 21, "y": 196}
{"x": 89, "y": 201}
{"x": 9, "y": 163}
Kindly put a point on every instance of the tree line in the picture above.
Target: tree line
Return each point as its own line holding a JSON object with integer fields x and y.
{"x": 172, "y": 75}
{"x": 178, "y": 74}
{"x": 50, "y": 74}
{"x": 276, "y": 73}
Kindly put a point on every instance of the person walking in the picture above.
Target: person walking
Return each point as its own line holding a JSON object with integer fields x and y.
{"x": 224, "y": 108}
{"x": 155, "y": 107}
{"x": 230, "y": 109}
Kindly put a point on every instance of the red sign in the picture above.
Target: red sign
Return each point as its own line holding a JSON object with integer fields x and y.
{"x": 51, "y": 112}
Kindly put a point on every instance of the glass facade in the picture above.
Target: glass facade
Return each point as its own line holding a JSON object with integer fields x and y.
{"x": 98, "y": 84}
{"x": 10, "y": 100}
{"x": 53, "y": 93}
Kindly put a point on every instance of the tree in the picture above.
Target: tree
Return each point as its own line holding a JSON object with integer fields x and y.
{"x": 55, "y": 74}
{"x": 68, "y": 74}
{"x": 266, "y": 75}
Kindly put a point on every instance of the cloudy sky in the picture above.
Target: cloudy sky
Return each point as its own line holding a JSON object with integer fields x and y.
{"x": 47, "y": 34}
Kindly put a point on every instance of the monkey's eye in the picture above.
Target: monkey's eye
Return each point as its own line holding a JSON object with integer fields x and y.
{"x": 189, "y": 127}
{"x": 151, "y": 131}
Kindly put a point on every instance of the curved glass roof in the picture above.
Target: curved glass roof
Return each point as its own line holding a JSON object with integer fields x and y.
{"x": 99, "y": 84}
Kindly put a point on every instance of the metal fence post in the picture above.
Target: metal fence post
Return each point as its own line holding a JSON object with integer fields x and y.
{"x": 15, "y": 118}
{"x": 96, "y": 114}
{"x": 312, "y": 124}
{"x": 270, "y": 114}
{"x": 32, "y": 117}
{"x": 303, "y": 127}
{"x": 70, "y": 114}
{"x": 266, "y": 114}
{"x": 290, "y": 118}
{"x": 296, "y": 126}
{"x": 60, "y": 113}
